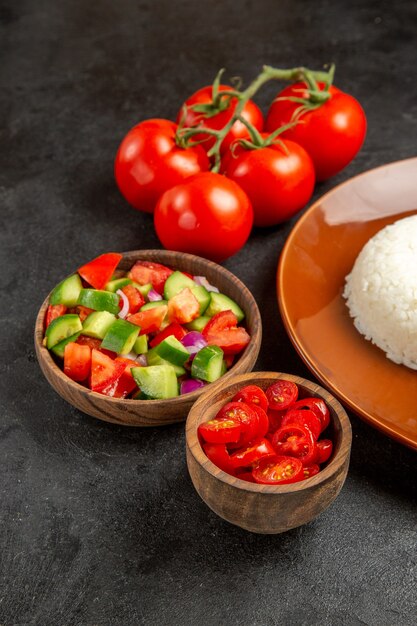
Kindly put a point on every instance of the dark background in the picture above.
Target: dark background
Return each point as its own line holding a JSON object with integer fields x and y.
{"x": 100, "y": 525}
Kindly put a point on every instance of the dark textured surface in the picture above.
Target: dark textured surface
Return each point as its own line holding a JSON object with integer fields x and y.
{"x": 100, "y": 525}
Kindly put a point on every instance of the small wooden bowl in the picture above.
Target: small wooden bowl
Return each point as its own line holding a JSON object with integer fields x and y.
{"x": 155, "y": 412}
{"x": 266, "y": 509}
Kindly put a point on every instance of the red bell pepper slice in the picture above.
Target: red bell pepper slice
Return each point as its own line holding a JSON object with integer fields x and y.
{"x": 99, "y": 271}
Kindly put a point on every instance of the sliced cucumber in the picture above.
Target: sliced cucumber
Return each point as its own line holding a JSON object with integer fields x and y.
{"x": 157, "y": 381}
{"x": 198, "y": 324}
{"x": 208, "y": 364}
{"x": 67, "y": 291}
{"x": 118, "y": 283}
{"x": 141, "y": 344}
{"x": 99, "y": 300}
{"x": 203, "y": 297}
{"x": 143, "y": 289}
{"x": 98, "y": 323}
{"x": 153, "y": 358}
{"x": 120, "y": 337}
{"x": 59, "y": 349}
{"x": 152, "y": 305}
{"x": 172, "y": 350}
{"x": 176, "y": 282}
{"x": 61, "y": 328}
{"x": 220, "y": 302}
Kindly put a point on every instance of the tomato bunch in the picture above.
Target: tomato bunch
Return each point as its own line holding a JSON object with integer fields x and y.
{"x": 220, "y": 168}
{"x": 269, "y": 437}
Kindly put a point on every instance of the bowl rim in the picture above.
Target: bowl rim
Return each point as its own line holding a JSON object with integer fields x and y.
{"x": 251, "y": 350}
{"x": 195, "y": 448}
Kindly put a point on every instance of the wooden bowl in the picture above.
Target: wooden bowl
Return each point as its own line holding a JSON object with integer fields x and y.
{"x": 155, "y": 412}
{"x": 266, "y": 508}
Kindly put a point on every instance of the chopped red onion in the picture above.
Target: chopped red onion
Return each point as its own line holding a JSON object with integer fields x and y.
{"x": 153, "y": 295}
{"x": 142, "y": 360}
{"x": 193, "y": 341}
{"x": 203, "y": 282}
{"x": 191, "y": 384}
{"x": 125, "y": 308}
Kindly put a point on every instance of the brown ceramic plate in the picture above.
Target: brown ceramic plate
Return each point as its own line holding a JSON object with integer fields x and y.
{"x": 318, "y": 254}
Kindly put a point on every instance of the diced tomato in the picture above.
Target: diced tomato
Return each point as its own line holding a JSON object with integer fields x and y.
{"x": 252, "y": 394}
{"x": 305, "y": 418}
{"x": 229, "y": 360}
{"x": 282, "y": 394}
{"x": 150, "y": 320}
{"x": 296, "y": 440}
{"x": 280, "y": 470}
{"x": 220, "y": 430}
{"x": 324, "y": 450}
{"x": 99, "y": 271}
{"x": 77, "y": 361}
{"x": 95, "y": 344}
{"x": 136, "y": 300}
{"x": 218, "y": 454}
{"x": 255, "y": 451}
{"x": 144, "y": 272}
{"x": 222, "y": 331}
{"x": 53, "y": 311}
{"x": 247, "y": 416}
{"x": 83, "y": 311}
{"x": 183, "y": 307}
{"x": 124, "y": 385}
{"x": 104, "y": 372}
{"x": 172, "y": 329}
{"x": 318, "y": 406}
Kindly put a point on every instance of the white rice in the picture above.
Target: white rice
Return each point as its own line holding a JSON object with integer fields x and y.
{"x": 381, "y": 291}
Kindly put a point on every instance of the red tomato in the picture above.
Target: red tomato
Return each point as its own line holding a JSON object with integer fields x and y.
{"x": 280, "y": 470}
{"x": 208, "y": 215}
{"x": 252, "y": 394}
{"x": 252, "y": 453}
{"x": 318, "y": 406}
{"x": 191, "y": 118}
{"x": 218, "y": 454}
{"x": 83, "y": 311}
{"x": 99, "y": 271}
{"x": 279, "y": 180}
{"x": 94, "y": 344}
{"x": 77, "y": 361}
{"x": 324, "y": 450}
{"x": 305, "y": 418}
{"x": 53, "y": 311}
{"x": 125, "y": 384}
{"x": 149, "y": 162}
{"x": 245, "y": 415}
{"x": 136, "y": 300}
{"x": 220, "y": 430}
{"x": 332, "y": 134}
{"x": 296, "y": 440}
{"x": 311, "y": 470}
{"x": 263, "y": 419}
{"x": 173, "y": 329}
{"x": 248, "y": 476}
{"x": 104, "y": 372}
{"x": 183, "y": 307}
{"x": 145, "y": 272}
{"x": 150, "y": 320}
{"x": 281, "y": 394}
{"x": 275, "y": 420}
{"x": 222, "y": 331}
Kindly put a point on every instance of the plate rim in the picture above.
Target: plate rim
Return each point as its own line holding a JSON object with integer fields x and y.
{"x": 360, "y": 412}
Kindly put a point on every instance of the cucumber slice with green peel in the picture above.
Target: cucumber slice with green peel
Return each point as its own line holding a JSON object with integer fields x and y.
{"x": 208, "y": 364}
{"x": 220, "y": 302}
{"x": 67, "y": 291}
{"x": 99, "y": 300}
{"x": 59, "y": 349}
{"x": 156, "y": 381}
{"x": 175, "y": 283}
{"x": 120, "y": 337}
{"x": 153, "y": 358}
{"x": 139, "y": 395}
{"x": 172, "y": 350}
{"x": 141, "y": 344}
{"x": 203, "y": 297}
{"x": 118, "y": 283}
{"x": 198, "y": 323}
{"x": 98, "y": 323}
{"x": 61, "y": 328}
{"x": 152, "y": 305}
{"x": 143, "y": 289}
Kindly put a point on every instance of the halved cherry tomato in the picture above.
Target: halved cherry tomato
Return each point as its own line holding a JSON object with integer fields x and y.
{"x": 150, "y": 320}
{"x": 99, "y": 271}
{"x": 246, "y": 415}
{"x": 263, "y": 419}
{"x": 279, "y": 470}
{"x": 318, "y": 406}
{"x": 252, "y": 394}
{"x": 245, "y": 476}
{"x": 218, "y": 454}
{"x": 172, "y": 329}
{"x": 125, "y": 384}
{"x": 275, "y": 420}
{"x": 104, "y": 372}
{"x": 53, "y": 311}
{"x": 281, "y": 394}
{"x": 305, "y": 418}
{"x": 311, "y": 470}
{"x": 136, "y": 300}
{"x": 144, "y": 272}
{"x": 220, "y": 430}
{"x": 77, "y": 361}
{"x": 296, "y": 440}
{"x": 222, "y": 331}
{"x": 183, "y": 307}
{"x": 324, "y": 450}
{"x": 252, "y": 453}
